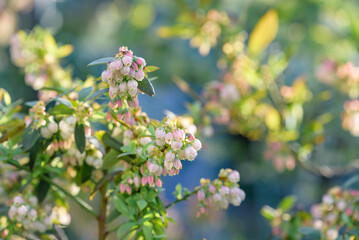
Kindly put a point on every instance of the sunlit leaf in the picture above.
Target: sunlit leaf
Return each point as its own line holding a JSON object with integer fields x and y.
{"x": 272, "y": 119}
{"x": 264, "y": 32}
{"x": 287, "y": 203}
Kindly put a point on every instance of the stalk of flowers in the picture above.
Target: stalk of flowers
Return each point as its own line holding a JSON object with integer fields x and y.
{"x": 158, "y": 154}
{"x": 123, "y": 75}
{"x": 27, "y": 214}
{"x": 350, "y": 117}
{"x": 220, "y": 192}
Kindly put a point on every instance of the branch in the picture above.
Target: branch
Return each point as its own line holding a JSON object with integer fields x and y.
{"x": 183, "y": 198}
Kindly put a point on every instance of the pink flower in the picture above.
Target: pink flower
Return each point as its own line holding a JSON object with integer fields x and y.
{"x": 122, "y": 87}
{"x": 129, "y": 53}
{"x": 170, "y": 156}
{"x": 179, "y": 135}
{"x": 169, "y": 138}
{"x": 212, "y": 189}
{"x": 191, "y": 153}
{"x": 168, "y": 165}
{"x": 128, "y": 189}
{"x": 112, "y": 105}
{"x": 136, "y": 181}
{"x": 224, "y": 191}
{"x": 158, "y": 182}
{"x": 177, "y": 164}
{"x": 197, "y": 145}
{"x": 139, "y": 75}
{"x": 132, "y": 84}
{"x": 119, "y": 102}
{"x": 235, "y": 192}
{"x": 140, "y": 61}
{"x": 144, "y": 181}
{"x": 118, "y": 65}
{"x": 125, "y": 70}
{"x": 176, "y": 145}
{"x": 234, "y": 176}
{"x": 134, "y": 66}
{"x": 122, "y": 187}
{"x": 201, "y": 195}
{"x": 150, "y": 180}
{"x": 127, "y": 60}
{"x": 112, "y": 66}
{"x": 104, "y": 76}
{"x": 133, "y": 104}
{"x": 160, "y": 133}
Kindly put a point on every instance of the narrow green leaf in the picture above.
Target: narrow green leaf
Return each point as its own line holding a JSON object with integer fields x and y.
{"x": 42, "y": 190}
{"x": 33, "y": 154}
{"x": 111, "y": 142}
{"x": 84, "y": 93}
{"x": 96, "y": 94}
{"x": 146, "y": 87}
{"x": 80, "y": 138}
{"x": 122, "y": 207}
{"x": 100, "y": 61}
{"x": 31, "y": 103}
{"x": 150, "y": 68}
{"x": 287, "y": 203}
{"x": 86, "y": 172}
{"x": 64, "y": 101}
{"x": 30, "y": 137}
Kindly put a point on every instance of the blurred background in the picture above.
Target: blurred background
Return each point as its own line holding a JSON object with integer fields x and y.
{"x": 309, "y": 31}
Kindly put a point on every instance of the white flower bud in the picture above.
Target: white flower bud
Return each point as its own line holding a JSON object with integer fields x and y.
{"x": 18, "y": 201}
{"x": 71, "y": 121}
{"x": 98, "y": 163}
{"x": 160, "y": 133}
{"x": 53, "y": 127}
{"x": 234, "y": 176}
{"x": 132, "y": 84}
{"x": 46, "y": 133}
{"x": 191, "y": 153}
{"x": 90, "y": 160}
{"x": 197, "y": 145}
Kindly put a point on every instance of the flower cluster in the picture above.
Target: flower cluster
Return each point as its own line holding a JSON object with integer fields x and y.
{"x": 331, "y": 214}
{"x": 220, "y": 192}
{"x": 350, "y": 117}
{"x": 123, "y": 75}
{"x": 26, "y": 214}
{"x": 343, "y": 76}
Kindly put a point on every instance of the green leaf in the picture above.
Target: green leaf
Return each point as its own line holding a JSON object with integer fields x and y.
{"x": 64, "y": 101}
{"x": 110, "y": 159}
{"x": 111, "y": 142}
{"x": 42, "y": 190}
{"x": 310, "y": 233}
{"x": 84, "y": 93}
{"x": 30, "y": 137}
{"x": 85, "y": 172}
{"x": 269, "y": 213}
{"x": 147, "y": 230}
{"x": 97, "y": 94}
{"x": 123, "y": 208}
{"x": 125, "y": 228}
{"x": 150, "y": 68}
{"x": 287, "y": 203}
{"x": 264, "y": 32}
{"x": 33, "y": 154}
{"x": 31, "y": 103}
{"x": 141, "y": 204}
{"x": 113, "y": 215}
{"x": 80, "y": 138}
{"x": 146, "y": 87}
{"x": 100, "y": 61}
